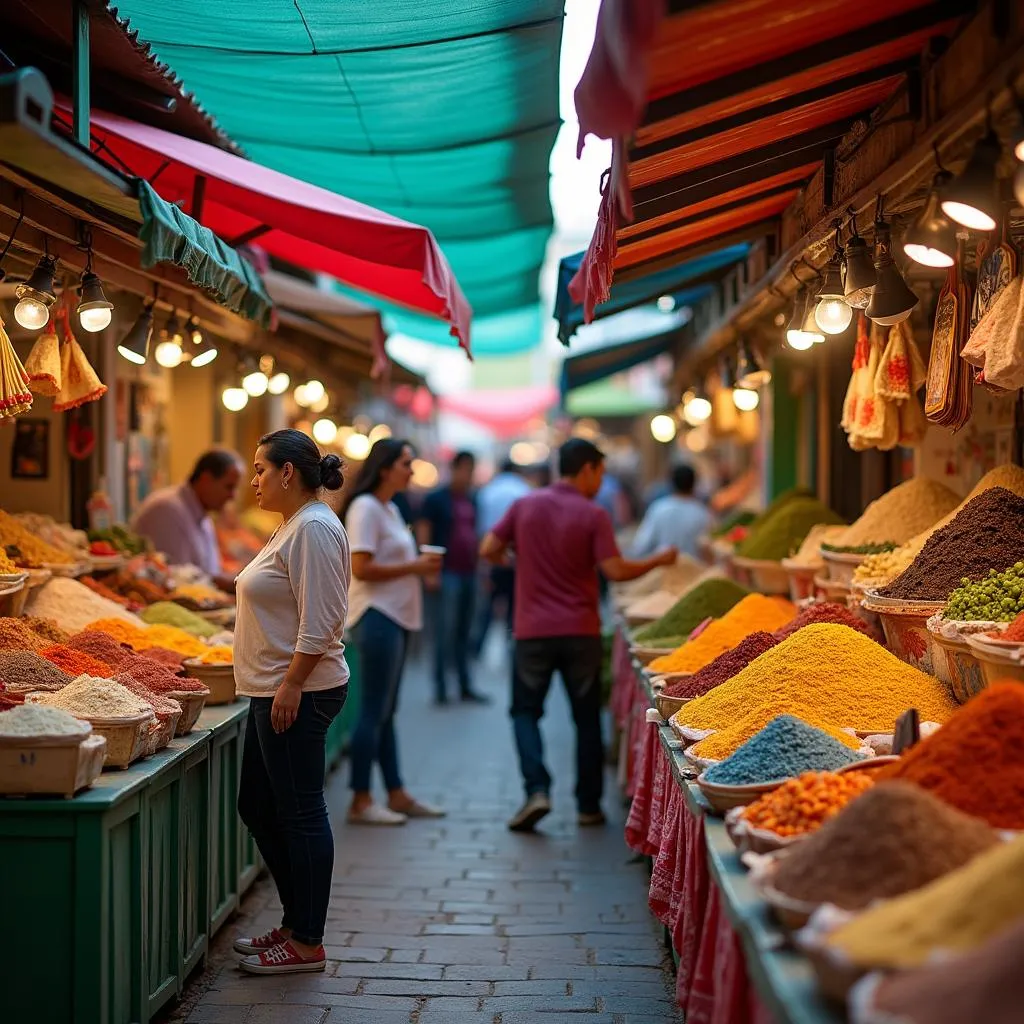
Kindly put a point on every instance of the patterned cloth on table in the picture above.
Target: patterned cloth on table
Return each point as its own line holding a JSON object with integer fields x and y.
{"x": 624, "y": 680}
{"x": 639, "y": 820}
{"x": 659, "y": 898}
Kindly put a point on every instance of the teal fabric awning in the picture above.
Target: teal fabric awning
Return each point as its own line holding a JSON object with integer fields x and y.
{"x": 441, "y": 112}
{"x": 172, "y": 236}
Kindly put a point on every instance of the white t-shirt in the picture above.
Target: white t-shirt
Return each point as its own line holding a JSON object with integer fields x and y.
{"x": 293, "y": 596}
{"x": 380, "y": 530}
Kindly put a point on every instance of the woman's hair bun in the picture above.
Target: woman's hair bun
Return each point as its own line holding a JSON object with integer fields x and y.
{"x": 330, "y": 472}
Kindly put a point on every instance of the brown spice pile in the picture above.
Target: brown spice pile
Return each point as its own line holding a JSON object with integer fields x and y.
{"x": 25, "y": 671}
{"x": 891, "y": 840}
{"x": 16, "y": 635}
{"x": 47, "y": 628}
{"x": 101, "y": 646}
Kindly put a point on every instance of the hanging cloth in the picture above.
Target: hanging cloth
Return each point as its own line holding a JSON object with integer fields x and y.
{"x": 79, "y": 382}
{"x": 997, "y": 343}
{"x": 43, "y": 364}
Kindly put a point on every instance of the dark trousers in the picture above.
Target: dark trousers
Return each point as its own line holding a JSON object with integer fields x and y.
{"x": 382, "y": 645}
{"x": 281, "y": 801}
{"x": 501, "y": 589}
{"x": 453, "y": 624}
{"x": 577, "y": 659}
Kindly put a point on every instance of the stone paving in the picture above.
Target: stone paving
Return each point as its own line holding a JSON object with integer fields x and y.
{"x": 459, "y": 921}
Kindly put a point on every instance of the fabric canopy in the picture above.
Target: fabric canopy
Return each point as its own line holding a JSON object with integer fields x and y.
{"x": 505, "y": 413}
{"x": 629, "y": 294}
{"x": 588, "y": 367}
{"x": 291, "y": 219}
{"x": 442, "y": 112}
{"x": 608, "y": 398}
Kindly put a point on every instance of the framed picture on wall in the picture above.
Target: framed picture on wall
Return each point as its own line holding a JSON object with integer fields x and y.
{"x": 30, "y": 453}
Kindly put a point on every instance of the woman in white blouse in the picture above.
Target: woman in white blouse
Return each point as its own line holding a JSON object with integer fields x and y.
{"x": 290, "y": 662}
{"x": 385, "y": 606}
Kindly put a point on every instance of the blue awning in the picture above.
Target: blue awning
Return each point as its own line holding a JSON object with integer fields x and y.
{"x": 628, "y": 294}
{"x": 588, "y": 367}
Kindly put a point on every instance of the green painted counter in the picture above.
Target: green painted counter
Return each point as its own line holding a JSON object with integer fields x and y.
{"x": 114, "y": 894}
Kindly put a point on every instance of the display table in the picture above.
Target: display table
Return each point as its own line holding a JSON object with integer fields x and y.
{"x": 734, "y": 963}
{"x": 111, "y": 897}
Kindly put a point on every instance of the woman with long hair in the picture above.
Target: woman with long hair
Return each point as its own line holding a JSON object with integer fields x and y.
{"x": 385, "y": 606}
{"x": 290, "y": 662}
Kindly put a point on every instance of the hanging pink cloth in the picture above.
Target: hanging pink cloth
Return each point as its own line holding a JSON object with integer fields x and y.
{"x": 612, "y": 91}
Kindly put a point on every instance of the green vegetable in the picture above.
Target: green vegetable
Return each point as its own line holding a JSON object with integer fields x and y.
{"x": 997, "y": 597}
{"x": 731, "y": 521}
{"x": 860, "y": 549}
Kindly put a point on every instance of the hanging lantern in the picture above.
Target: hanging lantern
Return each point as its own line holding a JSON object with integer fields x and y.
{"x": 892, "y": 301}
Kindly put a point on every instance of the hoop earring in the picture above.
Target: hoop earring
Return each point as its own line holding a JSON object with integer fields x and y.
{"x": 285, "y": 485}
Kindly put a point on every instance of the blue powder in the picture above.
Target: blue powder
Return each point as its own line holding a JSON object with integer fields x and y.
{"x": 785, "y": 747}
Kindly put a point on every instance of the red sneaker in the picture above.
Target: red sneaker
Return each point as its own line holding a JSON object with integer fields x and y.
{"x": 283, "y": 958}
{"x": 246, "y": 945}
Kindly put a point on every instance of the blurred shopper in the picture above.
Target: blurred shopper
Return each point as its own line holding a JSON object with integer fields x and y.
{"x": 448, "y": 520}
{"x": 560, "y": 538}
{"x": 492, "y": 502}
{"x": 177, "y": 519}
{"x": 290, "y": 662}
{"x": 385, "y": 606}
{"x": 677, "y": 520}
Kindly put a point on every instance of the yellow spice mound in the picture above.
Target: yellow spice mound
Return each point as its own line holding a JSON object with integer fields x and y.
{"x": 171, "y": 637}
{"x": 723, "y": 742}
{"x": 957, "y": 912}
{"x": 754, "y": 613}
{"x": 840, "y": 675}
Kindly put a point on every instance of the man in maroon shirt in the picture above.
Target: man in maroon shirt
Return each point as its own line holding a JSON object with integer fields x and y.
{"x": 561, "y": 538}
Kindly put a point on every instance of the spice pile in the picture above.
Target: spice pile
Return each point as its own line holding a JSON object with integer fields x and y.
{"x": 25, "y": 671}
{"x": 167, "y": 613}
{"x": 46, "y": 628}
{"x": 708, "y": 600}
{"x": 755, "y": 613}
{"x": 784, "y": 748}
{"x": 16, "y": 635}
{"x": 170, "y": 659}
{"x": 7, "y": 567}
{"x": 830, "y": 672}
{"x": 892, "y": 840}
{"x": 958, "y": 912}
{"x": 802, "y": 805}
{"x": 163, "y": 707}
{"x": 897, "y": 516}
{"x": 678, "y": 576}
{"x": 220, "y": 655}
{"x": 73, "y": 606}
{"x": 999, "y": 597}
{"x": 75, "y": 663}
{"x": 93, "y": 697}
{"x": 823, "y": 611}
{"x": 724, "y": 667}
{"x": 975, "y": 762}
{"x": 782, "y": 532}
{"x": 809, "y": 553}
{"x": 1015, "y": 631}
{"x": 720, "y": 743}
{"x": 25, "y": 547}
{"x": 142, "y": 637}
{"x": 37, "y": 720}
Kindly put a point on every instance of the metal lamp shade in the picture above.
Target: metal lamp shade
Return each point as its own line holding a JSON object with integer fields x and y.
{"x": 892, "y": 301}
{"x": 135, "y": 344}
{"x": 40, "y": 282}
{"x": 750, "y": 373}
{"x": 931, "y": 239}
{"x": 860, "y": 273}
{"x": 726, "y": 372}
{"x": 972, "y": 198}
{"x": 204, "y": 353}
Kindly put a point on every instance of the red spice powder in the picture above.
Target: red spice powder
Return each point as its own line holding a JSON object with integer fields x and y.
{"x": 101, "y": 646}
{"x": 724, "y": 667}
{"x": 976, "y": 760}
{"x": 827, "y": 611}
{"x": 164, "y": 656}
{"x": 163, "y": 706}
{"x": 1015, "y": 631}
{"x": 75, "y": 663}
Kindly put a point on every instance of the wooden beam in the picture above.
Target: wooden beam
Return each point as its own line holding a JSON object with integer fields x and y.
{"x": 704, "y": 182}
{"x": 775, "y": 109}
{"x": 248, "y": 236}
{"x": 804, "y": 60}
{"x": 81, "y": 102}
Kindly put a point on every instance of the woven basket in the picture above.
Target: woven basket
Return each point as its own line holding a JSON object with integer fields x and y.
{"x": 220, "y": 679}
{"x": 192, "y": 703}
{"x": 52, "y": 766}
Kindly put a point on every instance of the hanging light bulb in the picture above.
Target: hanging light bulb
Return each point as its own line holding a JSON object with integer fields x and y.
{"x": 313, "y": 392}
{"x": 931, "y": 239}
{"x": 36, "y": 295}
{"x": 832, "y": 313}
{"x": 860, "y": 271}
{"x": 796, "y": 337}
{"x": 299, "y": 394}
{"x": 278, "y": 383}
{"x": 357, "y": 447}
{"x": 971, "y": 199}
{"x": 193, "y": 331}
{"x": 135, "y": 344}
{"x": 325, "y": 431}
{"x": 666, "y": 303}
{"x": 810, "y": 325}
{"x": 169, "y": 353}
{"x": 234, "y": 399}
{"x": 204, "y": 352}
{"x": 663, "y": 428}
{"x": 750, "y": 373}
{"x": 892, "y": 301}
{"x": 94, "y": 309}
{"x": 745, "y": 399}
{"x": 255, "y": 384}
{"x": 379, "y": 433}
{"x": 696, "y": 406}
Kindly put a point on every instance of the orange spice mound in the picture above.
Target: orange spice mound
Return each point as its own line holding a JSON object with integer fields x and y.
{"x": 805, "y": 803}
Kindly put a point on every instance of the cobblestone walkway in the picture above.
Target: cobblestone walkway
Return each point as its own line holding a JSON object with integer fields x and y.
{"x": 460, "y": 921}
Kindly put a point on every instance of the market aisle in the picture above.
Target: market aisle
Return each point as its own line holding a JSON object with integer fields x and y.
{"x": 460, "y": 920}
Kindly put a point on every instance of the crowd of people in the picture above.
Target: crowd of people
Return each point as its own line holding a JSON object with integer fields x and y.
{"x": 362, "y": 566}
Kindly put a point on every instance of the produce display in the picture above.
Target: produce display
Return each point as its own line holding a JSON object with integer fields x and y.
{"x": 724, "y": 667}
{"x": 164, "y": 656}
{"x": 708, "y": 600}
{"x": 785, "y": 747}
{"x": 987, "y": 533}
{"x": 897, "y": 516}
{"x": 802, "y": 805}
{"x": 74, "y": 543}
{"x": 46, "y": 628}
{"x": 755, "y": 613}
{"x": 999, "y": 597}
{"x": 892, "y": 840}
{"x": 782, "y": 532}
{"x": 735, "y": 520}
{"x": 121, "y": 539}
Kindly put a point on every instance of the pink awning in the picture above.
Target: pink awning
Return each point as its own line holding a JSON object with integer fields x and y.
{"x": 291, "y": 219}
{"x": 504, "y": 412}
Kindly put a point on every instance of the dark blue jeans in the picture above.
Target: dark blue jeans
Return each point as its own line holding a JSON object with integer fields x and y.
{"x": 501, "y": 588}
{"x": 577, "y": 659}
{"x": 453, "y": 610}
{"x": 382, "y": 644}
{"x": 281, "y": 801}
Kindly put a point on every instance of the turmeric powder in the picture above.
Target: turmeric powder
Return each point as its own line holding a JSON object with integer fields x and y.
{"x": 838, "y": 675}
{"x": 723, "y": 742}
{"x": 755, "y": 613}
